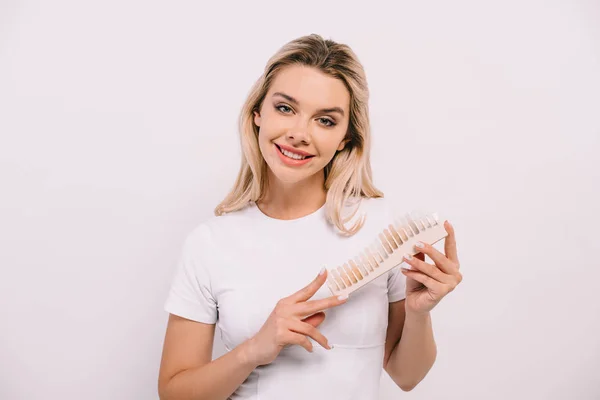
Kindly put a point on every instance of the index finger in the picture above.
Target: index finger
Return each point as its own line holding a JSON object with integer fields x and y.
{"x": 450, "y": 243}
{"x": 314, "y": 306}
{"x": 309, "y": 290}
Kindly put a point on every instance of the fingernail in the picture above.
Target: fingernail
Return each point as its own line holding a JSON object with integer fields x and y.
{"x": 420, "y": 245}
{"x": 408, "y": 257}
{"x": 322, "y": 271}
{"x": 343, "y": 296}
{"x": 330, "y": 346}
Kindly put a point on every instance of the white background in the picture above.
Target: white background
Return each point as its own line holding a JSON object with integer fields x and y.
{"x": 118, "y": 136}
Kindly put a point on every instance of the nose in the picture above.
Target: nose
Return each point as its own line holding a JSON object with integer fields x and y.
{"x": 298, "y": 135}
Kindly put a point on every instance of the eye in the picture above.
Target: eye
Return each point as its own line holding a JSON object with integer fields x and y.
{"x": 327, "y": 122}
{"x": 279, "y": 107}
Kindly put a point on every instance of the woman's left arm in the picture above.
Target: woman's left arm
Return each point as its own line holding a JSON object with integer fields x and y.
{"x": 410, "y": 346}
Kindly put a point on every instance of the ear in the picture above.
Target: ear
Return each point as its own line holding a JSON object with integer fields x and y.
{"x": 343, "y": 144}
{"x": 256, "y": 118}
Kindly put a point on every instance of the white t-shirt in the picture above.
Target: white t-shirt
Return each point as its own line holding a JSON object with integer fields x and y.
{"x": 234, "y": 268}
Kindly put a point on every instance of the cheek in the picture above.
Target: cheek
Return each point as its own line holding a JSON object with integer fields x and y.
{"x": 265, "y": 133}
{"x": 271, "y": 127}
{"x": 264, "y": 143}
{"x": 330, "y": 145}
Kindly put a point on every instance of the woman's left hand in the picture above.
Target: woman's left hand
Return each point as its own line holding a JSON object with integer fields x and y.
{"x": 427, "y": 284}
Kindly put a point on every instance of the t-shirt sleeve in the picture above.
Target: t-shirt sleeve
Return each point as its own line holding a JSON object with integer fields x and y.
{"x": 396, "y": 285}
{"x": 190, "y": 295}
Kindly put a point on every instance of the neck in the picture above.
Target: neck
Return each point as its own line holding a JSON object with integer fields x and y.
{"x": 293, "y": 200}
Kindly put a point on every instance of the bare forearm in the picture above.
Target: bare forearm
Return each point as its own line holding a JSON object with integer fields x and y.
{"x": 414, "y": 355}
{"x": 215, "y": 380}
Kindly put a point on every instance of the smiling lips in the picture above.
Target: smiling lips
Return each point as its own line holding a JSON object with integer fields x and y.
{"x": 292, "y": 159}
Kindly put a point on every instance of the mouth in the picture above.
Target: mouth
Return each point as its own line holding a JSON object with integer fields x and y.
{"x": 290, "y": 155}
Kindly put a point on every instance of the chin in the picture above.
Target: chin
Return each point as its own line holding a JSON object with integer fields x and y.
{"x": 292, "y": 177}
{"x": 289, "y": 178}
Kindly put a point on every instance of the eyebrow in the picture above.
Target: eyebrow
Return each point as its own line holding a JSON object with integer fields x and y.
{"x": 322, "y": 110}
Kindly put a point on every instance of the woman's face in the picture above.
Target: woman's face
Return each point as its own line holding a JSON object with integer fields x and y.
{"x": 304, "y": 111}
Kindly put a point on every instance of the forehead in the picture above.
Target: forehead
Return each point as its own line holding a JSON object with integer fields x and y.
{"x": 311, "y": 87}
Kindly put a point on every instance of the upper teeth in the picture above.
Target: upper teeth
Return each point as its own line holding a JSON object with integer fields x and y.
{"x": 293, "y": 155}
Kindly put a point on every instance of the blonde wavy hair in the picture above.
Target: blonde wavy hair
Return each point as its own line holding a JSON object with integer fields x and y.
{"x": 348, "y": 175}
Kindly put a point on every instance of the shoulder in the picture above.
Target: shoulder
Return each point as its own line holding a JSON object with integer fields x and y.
{"x": 376, "y": 203}
{"x": 376, "y": 208}
{"x": 389, "y": 207}
{"x": 370, "y": 213}
{"x": 222, "y": 226}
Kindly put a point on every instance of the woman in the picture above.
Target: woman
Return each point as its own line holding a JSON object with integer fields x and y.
{"x": 304, "y": 197}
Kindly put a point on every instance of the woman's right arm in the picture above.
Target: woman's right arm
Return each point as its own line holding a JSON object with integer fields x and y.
{"x": 186, "y": 369}
{"x": 187, "y": 372}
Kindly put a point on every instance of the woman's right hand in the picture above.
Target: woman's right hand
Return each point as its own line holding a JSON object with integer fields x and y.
{"x": 291, "y": 321}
